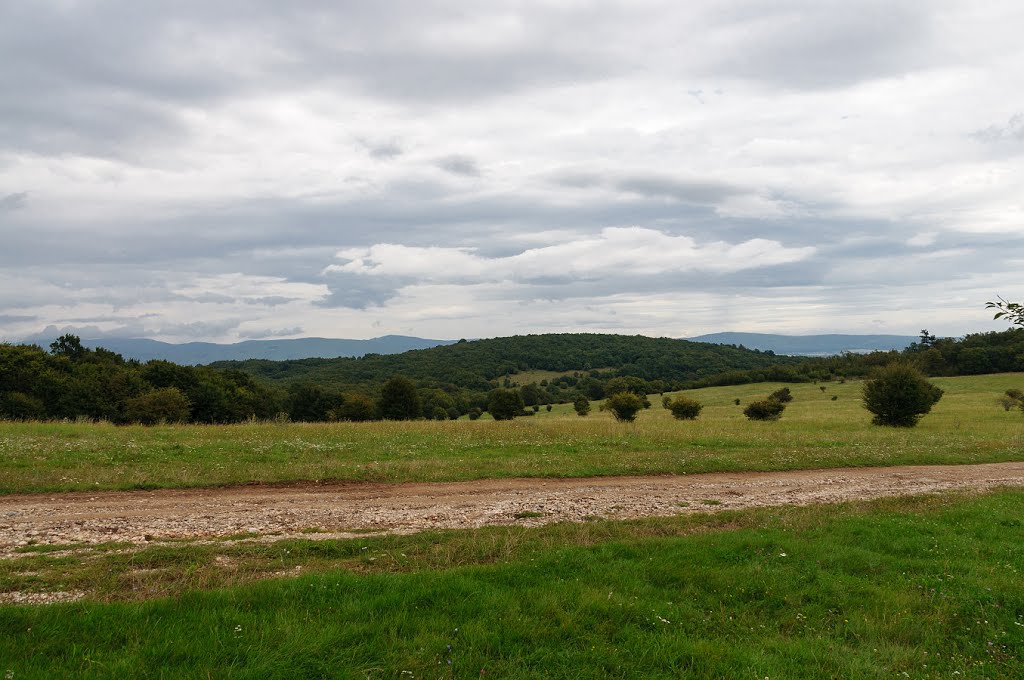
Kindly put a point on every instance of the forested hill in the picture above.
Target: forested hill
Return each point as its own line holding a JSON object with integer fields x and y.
{"x": 473, "y": 364}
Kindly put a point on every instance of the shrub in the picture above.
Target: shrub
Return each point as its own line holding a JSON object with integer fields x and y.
{"x": 581, "y": 405}
{"x": 357, "y": 408}
{"x": 898, "y": 395}
{"x": 624, "y": 406}
{"x": 163, "y": 405}
{"x": 736, "y": 401}
{"x": 1015, "y": 394}
{"x": 504, "y": 404}
{"x": 536, "y": 408}
{"x": 21, "y": 406}
{"x": 548, "y": 408}
{"x": 684, "y": 408}
{"x": 835, "y": 397}
{"x": 783, "y": 396}
{"x": 767, "y": 409}
{"x": 475, "y": 413}
{"x": 399, "y": 400}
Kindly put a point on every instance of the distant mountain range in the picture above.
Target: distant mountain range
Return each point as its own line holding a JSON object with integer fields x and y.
{"x": 810, "y": 345}
{"x": 191, "y": 353}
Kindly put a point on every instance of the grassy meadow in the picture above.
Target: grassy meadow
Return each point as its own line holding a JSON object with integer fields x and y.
{"x": 914, "y": 587}
{"x": 966, "y": 426}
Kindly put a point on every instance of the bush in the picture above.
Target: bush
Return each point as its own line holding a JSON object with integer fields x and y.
{"x": 357, "y": 408}
{"x": 624, "y": 406}
{"x": 164, "y": 405}
{"x": 20, "y": 406}
{"x": 899, "y": 395}
{"x": 581, "y": 405}
{"x": 1015, "y": 394}
{"x": 504, "y": 404}
{"x": 736, "y": 401}
{"x": 684, "y": 408}
{"x": 399, "y": 400}
{"x": 475, "y": 413}
{"x": 548, "y": 408}
{"x": 783, "y": 396}
{"x": 767, "y": 409}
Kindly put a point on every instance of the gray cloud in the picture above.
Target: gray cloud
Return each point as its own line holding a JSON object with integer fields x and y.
{"x": 195, "y": 166}
{"x": 13, "y": 202}
{"x": 459, "y": 165}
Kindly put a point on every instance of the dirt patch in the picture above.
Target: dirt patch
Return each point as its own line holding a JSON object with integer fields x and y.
{"x": 324, "y": 511}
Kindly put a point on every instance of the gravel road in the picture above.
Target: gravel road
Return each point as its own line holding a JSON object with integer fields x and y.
{"x": 339, "y": 510}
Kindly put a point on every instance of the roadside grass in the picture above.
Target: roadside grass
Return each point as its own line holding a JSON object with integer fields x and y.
{"x": 966, "y": 426}
{"x": 926, "y": 586}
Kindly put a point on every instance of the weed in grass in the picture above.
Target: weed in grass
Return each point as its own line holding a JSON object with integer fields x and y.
{"x": 527, "y": 514}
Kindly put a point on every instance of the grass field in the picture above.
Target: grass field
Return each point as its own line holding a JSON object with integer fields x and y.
{"x": 915, "y": 587}
{"x": 967, "y": 426}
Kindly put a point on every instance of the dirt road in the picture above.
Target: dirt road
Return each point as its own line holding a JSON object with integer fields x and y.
{"x": 337, "y": 510}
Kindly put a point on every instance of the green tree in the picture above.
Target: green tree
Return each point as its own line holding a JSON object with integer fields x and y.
{"x": 581, "y": 405}
{"x": 504, "y": 404}
{"x": 399, "y": 400}
{"x": 162, "y": 405}
{"x": 355, "y": 408}
{"x": 1011, "y": 311}
{"x": 69, "y": 346}
{"x": 782, "y": 395}
{"x": 898, "y": 395}
{"x": 624, "y": 406}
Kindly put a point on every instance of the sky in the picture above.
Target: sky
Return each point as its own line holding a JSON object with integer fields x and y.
{"x": 233, "y": 170}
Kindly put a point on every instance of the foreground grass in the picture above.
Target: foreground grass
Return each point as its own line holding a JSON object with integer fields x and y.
{"x": 927, "y": 587}
{"x": 967, "y": 426}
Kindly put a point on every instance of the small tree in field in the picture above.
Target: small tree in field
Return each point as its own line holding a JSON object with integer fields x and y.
{"x": 899, "y": 395}
{"x": 624, "y": 406}
{"x": 767, "y": 409}
{"x": 684, "y": 408}
{"x": 504, "y": 404}
{"x": 581, "y": 405}
{"x": 782, "y": 395}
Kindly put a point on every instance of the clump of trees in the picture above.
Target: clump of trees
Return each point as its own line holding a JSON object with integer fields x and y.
{"x": 624, "y": 406}
{"x": 899, "y": 395}
{"x": 684, "y": 408}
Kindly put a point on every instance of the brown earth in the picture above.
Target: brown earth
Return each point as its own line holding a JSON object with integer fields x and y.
{"x": 344, "y": 510}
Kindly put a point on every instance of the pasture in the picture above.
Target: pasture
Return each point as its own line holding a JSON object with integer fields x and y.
{"x": 966, "y": 426}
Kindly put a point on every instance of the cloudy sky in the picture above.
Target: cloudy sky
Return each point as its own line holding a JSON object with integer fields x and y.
{"x": 238, "y": 170}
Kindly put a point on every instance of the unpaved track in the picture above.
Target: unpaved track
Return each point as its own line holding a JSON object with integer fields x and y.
{"x": 278, "y": 512}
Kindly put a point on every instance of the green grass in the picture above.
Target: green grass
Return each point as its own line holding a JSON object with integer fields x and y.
{"x": 918, "y": 587}
{"x": 967, "y": 426}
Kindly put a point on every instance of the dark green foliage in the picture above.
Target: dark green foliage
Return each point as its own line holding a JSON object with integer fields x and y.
{"x": 767, "y": 409}
{"x": 399, "y": 400}
{"x": 898, "y": 395}
{"x": 782, "y": 395}
{"x": 548, "y": 408}
{"x": 475, "y": 413}
{"x": 355, "y": 408}
{"x": 684, "y": 408}
{"x": 309, "y": 403}
{"x": 1011, "y": 311}
{"x": 581, "y": 405}
{"x": 162, "y": 405}
{"x": 504, "y": 404}
{"x": 835, "y": 397}
{"x": 1015, "y": 394}
{"x": 736, "y": 401}
{"x": 624, "y": 406}
{"x": 474, "y": 365}
{"x": 532, "y": 394}
{"x": 75, "y": 382}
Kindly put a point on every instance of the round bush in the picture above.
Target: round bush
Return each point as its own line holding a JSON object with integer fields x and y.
{"x": 581, "y": 405}
{"x": 767, "y": 409}
{"x": 684, "y": 408}
{"x": 898, "y": 395}
{"x": 624, "y": 406}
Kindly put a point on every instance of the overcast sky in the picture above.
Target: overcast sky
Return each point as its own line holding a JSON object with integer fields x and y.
{"x": 239, "y": 170}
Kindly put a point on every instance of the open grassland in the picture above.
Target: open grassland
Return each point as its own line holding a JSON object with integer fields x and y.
{"x": 967, "y": 426}
{"x": 918, "y": 587}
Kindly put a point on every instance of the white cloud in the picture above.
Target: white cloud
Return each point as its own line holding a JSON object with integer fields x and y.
{"x": 616, "y": 250}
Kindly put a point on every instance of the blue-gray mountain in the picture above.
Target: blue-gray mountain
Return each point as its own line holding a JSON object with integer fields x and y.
{"x": 193, "y": 353}
{"x": 811, "y": 345}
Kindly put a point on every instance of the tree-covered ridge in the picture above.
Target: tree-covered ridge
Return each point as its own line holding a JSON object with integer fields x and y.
{"x": 474, "y": 365}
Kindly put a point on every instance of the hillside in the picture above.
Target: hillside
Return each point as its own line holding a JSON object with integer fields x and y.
{"x": 811, "y": 345}
{"x": 472, "y": 364}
